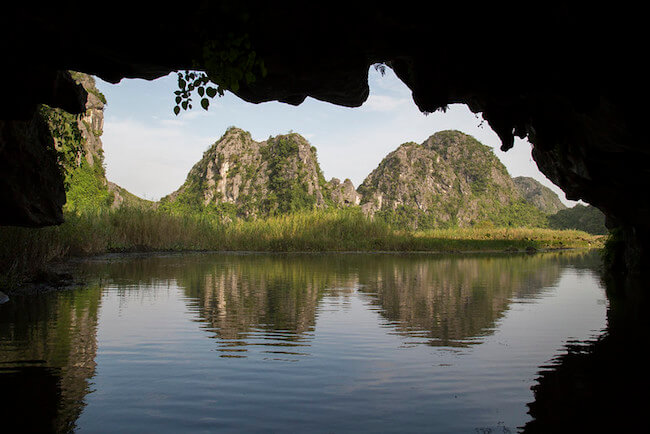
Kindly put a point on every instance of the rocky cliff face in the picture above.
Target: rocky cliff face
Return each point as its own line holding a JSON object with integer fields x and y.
{"x": 538, "y": 195}
{"x": 343, "y": 194}
{"x": 80, "y": 153}
{"x": 241, "y": 177}
{"x": 450, "y": 179}
{"x": 91, "y": 122}
{"x": 31, "y": 184}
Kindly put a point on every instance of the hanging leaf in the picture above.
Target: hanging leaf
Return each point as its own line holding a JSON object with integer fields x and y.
{"x": 205, "y": 103}
{"x": 177, "y": 110}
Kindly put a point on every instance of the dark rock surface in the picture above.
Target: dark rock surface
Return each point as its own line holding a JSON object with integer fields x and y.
{"x": 31, "y": 185}
{"x": 571, "y": 79}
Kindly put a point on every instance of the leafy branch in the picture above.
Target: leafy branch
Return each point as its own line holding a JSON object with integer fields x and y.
{"x": 228, "y": 63}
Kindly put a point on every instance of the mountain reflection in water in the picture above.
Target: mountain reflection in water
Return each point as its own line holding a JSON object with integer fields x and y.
{"x": 279, "y": 308}
{"x": 47, "y": 355}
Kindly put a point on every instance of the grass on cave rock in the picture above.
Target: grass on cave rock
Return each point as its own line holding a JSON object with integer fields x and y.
{"x": 24, "y": 251}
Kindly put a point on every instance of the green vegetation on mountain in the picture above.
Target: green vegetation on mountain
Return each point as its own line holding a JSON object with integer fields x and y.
{"x": 538, "y": 195}
{"x": 238, "y": 177}
{"x": 84, "y": 178}
{"x": 585, "y": 218}
{"x": 122, "y": 198}
{"x": 450, "y": 180}
{"x": 81, "y": 155}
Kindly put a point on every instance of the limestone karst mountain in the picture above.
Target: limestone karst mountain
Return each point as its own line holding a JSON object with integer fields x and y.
{"x": 538, "y": 195}
{"x": 238, "y": 176}
{"x": 449, "y": 180}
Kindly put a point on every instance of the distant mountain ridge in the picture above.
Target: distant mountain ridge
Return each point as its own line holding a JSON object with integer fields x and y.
{"x": 539, "y": 195}
{"x": 586, "y": 218}
{"x": 449, "y": 180}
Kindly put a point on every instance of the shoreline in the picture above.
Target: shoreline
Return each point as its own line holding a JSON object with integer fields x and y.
{"x": 59, "y": 275}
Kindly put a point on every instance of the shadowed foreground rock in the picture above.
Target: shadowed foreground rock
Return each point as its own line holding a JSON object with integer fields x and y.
{"x": 600, "y": 386}
{"x": 570, "y": 79}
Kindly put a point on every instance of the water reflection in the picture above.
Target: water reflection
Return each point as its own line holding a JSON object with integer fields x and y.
{"x": 47, "y": 355}
{"x": 279, "y": 308}
{"x": 448, "y": 300}
{"x": 600, "y": 385}
{"x": 454, "y": 300}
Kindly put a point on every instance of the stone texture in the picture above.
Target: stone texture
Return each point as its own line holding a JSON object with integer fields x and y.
{"x": 91, "y": 121}
{"x": 450, "y": 177}
{"x": 538, "y": 195}
{"x": 239, "y": 171}
{"x": 31, "y": 185}
{"x": 343, "y": 194}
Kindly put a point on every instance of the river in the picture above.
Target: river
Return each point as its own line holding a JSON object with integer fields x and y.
{"x": 350, "y": 342}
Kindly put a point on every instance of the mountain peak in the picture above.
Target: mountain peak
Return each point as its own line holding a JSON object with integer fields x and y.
{"x": 238, "y": 176}
{"x": 451, "y": 179}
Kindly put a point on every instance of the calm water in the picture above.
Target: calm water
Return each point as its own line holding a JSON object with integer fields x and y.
{"x": 332, "y": 343}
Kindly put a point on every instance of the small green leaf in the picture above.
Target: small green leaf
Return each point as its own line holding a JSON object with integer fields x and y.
{"x": 205, "y": 103}
{"x": 201, "y": 91}
{"x": 211, "y": 91}
{"x": 178, "y": 100}
{"x": 177, "y": 110}
{"x": 184, "y": 105}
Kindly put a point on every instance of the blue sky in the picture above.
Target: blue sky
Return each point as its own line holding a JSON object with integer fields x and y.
{"x": 149, "y": 150}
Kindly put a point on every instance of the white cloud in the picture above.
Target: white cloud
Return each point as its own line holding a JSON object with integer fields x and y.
{"x": 150, "y": 160}
{"x": 384, "y": 103}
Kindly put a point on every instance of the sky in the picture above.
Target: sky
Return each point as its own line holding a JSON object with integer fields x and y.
{"x": 149, "y": 150}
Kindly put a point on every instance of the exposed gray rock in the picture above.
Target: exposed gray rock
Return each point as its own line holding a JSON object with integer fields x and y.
{"x": 450, "y": 179}
{"x": 252, "y": 179}
{"x": 343, "y": 194}
{"x": 91, "y": 122}
{"x": 538, "y": 195}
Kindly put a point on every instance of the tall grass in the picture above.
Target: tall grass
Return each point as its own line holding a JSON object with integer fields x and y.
{"x": 25, "y": 251}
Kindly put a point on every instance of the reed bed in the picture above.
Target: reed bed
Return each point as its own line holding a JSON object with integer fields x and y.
{"x": 23, "y": 252}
